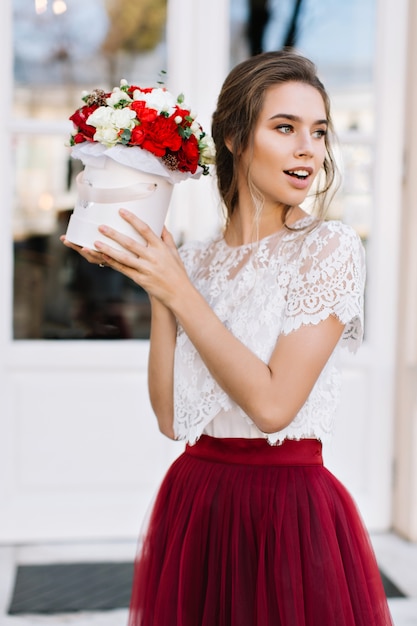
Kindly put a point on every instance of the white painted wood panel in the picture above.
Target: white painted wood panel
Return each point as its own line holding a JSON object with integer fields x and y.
{"x": 84, "y": 454}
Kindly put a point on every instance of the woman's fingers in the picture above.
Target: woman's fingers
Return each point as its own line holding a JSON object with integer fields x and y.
{"x": 146, "y": 263}
{"x": 168, "y": 238}
{"x": 132, "y": 249}
{"x": 141, "y": 227}
{"x": 92, "y": 256}
{"x": 117, "y": 258}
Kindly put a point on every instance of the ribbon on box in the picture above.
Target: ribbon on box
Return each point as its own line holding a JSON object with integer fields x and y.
{"x": 88, "y": 193}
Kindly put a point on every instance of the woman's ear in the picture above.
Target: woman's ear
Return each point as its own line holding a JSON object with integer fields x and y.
{"x": 229, "y": 144}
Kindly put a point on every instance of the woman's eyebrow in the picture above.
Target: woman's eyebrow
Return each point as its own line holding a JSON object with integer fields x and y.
{"x": 296, "y": 118}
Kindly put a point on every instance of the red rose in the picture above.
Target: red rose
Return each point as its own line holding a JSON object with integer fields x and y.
{"x": 181, "y": 112}
{"x": 137, "y": 136}
{"x": 143, "y": 113}
{"x": 79, "y": 118}
{"x": 80, "y": 138}
{"x": 133, "y": 88}
{"x": 161, "y": 136}
{"x": 188, "y": 155}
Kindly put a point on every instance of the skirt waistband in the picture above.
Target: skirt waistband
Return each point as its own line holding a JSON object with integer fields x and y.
{"x": 257, "y": 451}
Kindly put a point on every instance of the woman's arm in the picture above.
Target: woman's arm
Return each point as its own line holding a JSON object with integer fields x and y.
{"x": 271, "y": 394}
{"x": 161, "y": 365}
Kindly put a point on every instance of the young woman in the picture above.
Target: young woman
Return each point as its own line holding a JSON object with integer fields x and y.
{"x": 249, "y": 528}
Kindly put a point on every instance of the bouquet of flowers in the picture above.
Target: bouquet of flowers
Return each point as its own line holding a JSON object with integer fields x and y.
{"x": 150, "y": 119}
{"x": 135, "y": 144}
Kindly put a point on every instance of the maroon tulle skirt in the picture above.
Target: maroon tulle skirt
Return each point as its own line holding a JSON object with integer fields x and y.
{"x": 247, "y": 534}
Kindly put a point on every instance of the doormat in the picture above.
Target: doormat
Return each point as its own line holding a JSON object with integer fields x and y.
{"x": 72, "y": 587}
{"x": 391, "y": 590}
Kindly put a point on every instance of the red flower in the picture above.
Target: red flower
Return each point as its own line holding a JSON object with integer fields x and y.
{"x": 137, "y": 136}
{"x": 80, "y": 138}
{"x": 181, "y": 112}
{"x": 134, "y": 88}
{"x": 143, "y": 113}
{"x": 188, "y": 155}
{"x": 79, "y": 118}
{"x": 161, "y": 136}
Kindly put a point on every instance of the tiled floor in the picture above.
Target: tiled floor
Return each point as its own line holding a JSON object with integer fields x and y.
{"x": 397, "y": 558}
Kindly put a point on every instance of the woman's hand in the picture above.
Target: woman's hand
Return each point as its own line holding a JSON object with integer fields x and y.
{"x": 155, "y": 265}
{"x": 92, "y": 256}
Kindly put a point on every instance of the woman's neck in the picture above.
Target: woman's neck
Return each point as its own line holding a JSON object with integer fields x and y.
{"x": 244, "y": 228}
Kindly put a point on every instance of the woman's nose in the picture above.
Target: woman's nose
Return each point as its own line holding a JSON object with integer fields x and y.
{"x": 304, "y": 145}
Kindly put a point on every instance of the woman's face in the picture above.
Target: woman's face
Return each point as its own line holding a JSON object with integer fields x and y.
{"x": 288, "y": 144}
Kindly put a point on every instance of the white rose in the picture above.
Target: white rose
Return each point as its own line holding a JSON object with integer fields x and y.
{"x": 207, "y": 150}
{"x": 106, "y": 135}
{"x": 123, "y": 118}
{"x": 100, "y": 117}
{"x": 157, "y": 99}
{"x": 117, "y": 96}
{"x": 196, "y": 129}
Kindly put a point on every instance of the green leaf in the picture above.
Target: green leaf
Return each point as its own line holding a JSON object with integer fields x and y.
{"x": 162, "y": 75}
{"x": 121, "y": 104}
{"x": 125, "y": 136}
{"x": 186, "y": 132}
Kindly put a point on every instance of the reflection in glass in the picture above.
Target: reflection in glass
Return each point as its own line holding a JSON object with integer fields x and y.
{"x": 61, "y": 48}
{"x": 339, "y": 38}
{"x": 57, "y": 295}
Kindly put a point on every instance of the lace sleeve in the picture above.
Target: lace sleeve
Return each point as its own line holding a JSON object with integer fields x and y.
{"x": 329, "y": 280}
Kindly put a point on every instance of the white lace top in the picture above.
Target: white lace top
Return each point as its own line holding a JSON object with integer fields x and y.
{"x": 259, "y": 291}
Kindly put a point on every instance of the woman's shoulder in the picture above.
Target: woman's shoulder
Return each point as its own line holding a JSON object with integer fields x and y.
{"x": 334, "y": 228}
{"x": 330, "y": 235}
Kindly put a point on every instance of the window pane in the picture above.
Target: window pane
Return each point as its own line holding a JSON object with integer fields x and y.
{"x": 58, "y": 295}
{"x": 61, "y": 48}
{"x": 64, "y": 46}
{"x": 339, "y": 38}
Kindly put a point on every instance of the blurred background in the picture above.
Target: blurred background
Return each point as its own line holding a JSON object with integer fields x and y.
{"x": 80, "y": 454}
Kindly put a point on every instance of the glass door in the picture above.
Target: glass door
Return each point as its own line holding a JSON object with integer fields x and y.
{"x": 62, "y": 48}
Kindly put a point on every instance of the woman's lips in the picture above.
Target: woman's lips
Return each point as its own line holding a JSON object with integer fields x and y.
{"x": 299, "y": 177}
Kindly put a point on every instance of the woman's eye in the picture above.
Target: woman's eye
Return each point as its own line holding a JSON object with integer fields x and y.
{"x": 284, "y": 128}
{"x": 320, "y": 132}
